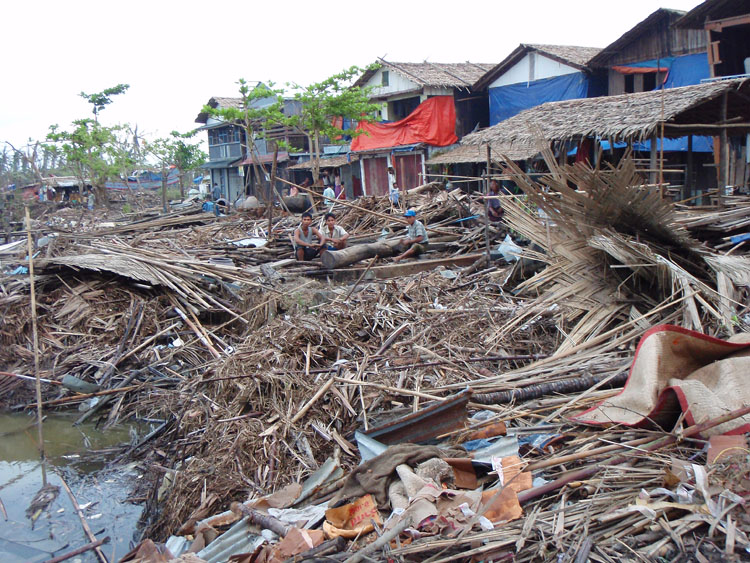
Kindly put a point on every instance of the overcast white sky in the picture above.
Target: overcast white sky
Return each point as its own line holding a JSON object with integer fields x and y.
{"x": 176, "y": 55}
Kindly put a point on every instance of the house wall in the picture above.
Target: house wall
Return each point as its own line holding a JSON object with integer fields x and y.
{"x": 375, "y": 175}
{"x": 396, "y": 83}
{"x": 659, "y": 42}
{"x": 533, "y": 66}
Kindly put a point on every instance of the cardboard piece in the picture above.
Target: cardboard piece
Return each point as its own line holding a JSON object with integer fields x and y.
{"x": 501, "y": 505}
{"x": 463, "y": 473}
{"x": 352, "y": 519}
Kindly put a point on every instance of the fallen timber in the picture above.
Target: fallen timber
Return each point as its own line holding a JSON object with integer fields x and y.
{"x": 346, "y": 256}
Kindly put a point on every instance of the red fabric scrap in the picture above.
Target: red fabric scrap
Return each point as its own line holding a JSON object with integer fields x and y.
{"x": 433, "y": 123}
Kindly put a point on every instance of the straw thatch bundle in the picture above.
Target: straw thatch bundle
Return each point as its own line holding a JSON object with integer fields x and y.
{"x": 624, "y": 117}
{"x": 615, "y": 251}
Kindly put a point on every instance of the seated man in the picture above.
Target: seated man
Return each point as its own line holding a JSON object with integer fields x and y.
{"x": 415, "y": 241}
{"x": 304, "y": 248}
{"x": 335, "y": 235}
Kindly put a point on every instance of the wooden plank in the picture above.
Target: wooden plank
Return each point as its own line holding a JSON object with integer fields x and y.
{"x": 388, "y": 271}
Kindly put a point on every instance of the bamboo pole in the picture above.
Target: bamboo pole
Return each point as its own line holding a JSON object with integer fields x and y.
{"x": 78, "y": 551}
{"x": 587, "y": 472}
{"x": 35, "y": 337}
{"x": 487, "y": 204}
{"x": 86, "y": 528}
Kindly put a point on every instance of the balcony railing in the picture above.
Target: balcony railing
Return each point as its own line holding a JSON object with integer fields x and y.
{"x": 221, "y": 152}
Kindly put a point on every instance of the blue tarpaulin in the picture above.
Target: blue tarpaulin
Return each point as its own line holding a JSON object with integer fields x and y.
{"x": 687, "y": 70}
{"x": 507, "y": 101}
{"x": 700, "y": 144}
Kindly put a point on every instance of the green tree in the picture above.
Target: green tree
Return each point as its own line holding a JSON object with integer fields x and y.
{"x": 262, "y": 107}
{"x": 95, "y": 153}
{"x": 174, "y": 151}
{"x": 324, "y": 101}
{"x": 100, "y": 100}
{"x": 186, "y": 156}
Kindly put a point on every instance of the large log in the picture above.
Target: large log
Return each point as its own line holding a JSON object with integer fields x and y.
{"x": 346, "y": 256}
{"x": 298, "y": 203}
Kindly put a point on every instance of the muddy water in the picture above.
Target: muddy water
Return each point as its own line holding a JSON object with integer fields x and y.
{"x": 102, "y": 492}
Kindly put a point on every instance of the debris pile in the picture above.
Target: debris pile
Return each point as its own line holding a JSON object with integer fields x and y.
{"x": 424, "y": 409}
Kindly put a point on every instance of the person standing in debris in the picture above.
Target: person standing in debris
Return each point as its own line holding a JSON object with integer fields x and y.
{"x": 335, "y": 235}
{"x": 304, "y": 248}
{"x": 91, "y": 200}
{"x": 337, "y": 183}
{"x": 342, "y": 192}
{"x": 329, "y": 194}
{"x": 393, "y": 195}
{"x": 494, "y": 208}
{"x": 416, "y": 239}
{"x": 216, "y": 192}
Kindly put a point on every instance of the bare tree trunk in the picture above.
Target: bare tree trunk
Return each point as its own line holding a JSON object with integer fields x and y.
{"x": 271, "y": 191}
{"x": 316, "y": 159}
{"x": 163, "y": 190}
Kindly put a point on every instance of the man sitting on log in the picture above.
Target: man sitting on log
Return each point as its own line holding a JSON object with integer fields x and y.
{"x": 304, "y": 248}
{"x": 335, "y": 235}
{"x": 415, "y": 241}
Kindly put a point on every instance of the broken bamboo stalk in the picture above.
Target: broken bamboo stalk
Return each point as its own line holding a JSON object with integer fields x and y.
{"x": 260, "y": 519}
{"x": 198, "y": 333}
{"x": 93, "y": 410}
{"x": 381, "y": 542}
{"x": 360, "y": 278}
{"x": 35, "y": 335}
{"x": 78, "y": 551}
{"x": 587, "y": 472}
{"x": 316, "y": 553}
{"x": 319, "y": 393}
{"x": 86, "y": 528}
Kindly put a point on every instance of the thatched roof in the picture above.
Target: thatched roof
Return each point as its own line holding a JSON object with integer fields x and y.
{"x": 712, "y": 10}
{"x": 628, "y": 116}
{"x": 330, "y": 162}
{"x": 602, "y": 58}
{"x": 449, "y": 75}
{"x": 478, "y": 153}
{"x": 570, "y": 55}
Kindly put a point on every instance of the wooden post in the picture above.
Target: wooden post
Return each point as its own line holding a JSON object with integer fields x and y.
{"x": 724, "y": 152}
{"x": 689, "y": 171}
{"x": 272, "y": 192}
{"x": 487, "y": 204}
{"x": 652, "y": 160}
{"x": 35, "y": 337}
{"x": 163, "y": 191}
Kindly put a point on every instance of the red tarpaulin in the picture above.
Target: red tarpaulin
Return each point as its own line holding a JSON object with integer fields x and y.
{"x": 433, "y": 123}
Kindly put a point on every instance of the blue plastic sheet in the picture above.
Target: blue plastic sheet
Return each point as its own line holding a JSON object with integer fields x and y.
{"x": 507, "y": 101}
{"x": 687, "y": 70}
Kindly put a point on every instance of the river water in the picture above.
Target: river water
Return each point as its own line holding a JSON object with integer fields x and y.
{"x": 103, "y": 492}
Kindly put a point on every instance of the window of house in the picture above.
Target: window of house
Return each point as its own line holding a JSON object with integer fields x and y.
{"x": 385, "y": 79}
{"x": 649, "y": 81}
{"x": 629, "y": 83}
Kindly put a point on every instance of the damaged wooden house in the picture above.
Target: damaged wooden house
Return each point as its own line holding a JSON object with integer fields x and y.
{"x": 529, "y": 76}
{"x": 426, "y": 107}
